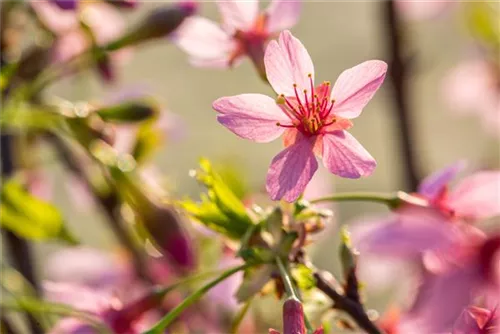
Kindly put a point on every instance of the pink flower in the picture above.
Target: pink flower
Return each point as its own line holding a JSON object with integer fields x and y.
{"x": 464, "y": 275}
{"x": 244, "y": 31}
{"x": 475, "y": 197}
{"x": 71, "y": 40}
{"x": 312, "y": 119}
{"x": 473, "y": 87}
{"x": 476, "y": 320}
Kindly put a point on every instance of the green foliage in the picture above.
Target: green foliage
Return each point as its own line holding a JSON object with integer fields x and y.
{"x": 219, "y": 209}
{"x": 30, "y": 217}
{"x": 304, "y": 277}
{"x": 148, "y": 139}
{"x": 128, "y": 112}
{"x": 482, "y": 21}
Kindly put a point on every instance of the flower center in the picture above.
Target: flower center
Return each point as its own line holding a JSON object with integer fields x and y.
{"x": 308, "y": 110}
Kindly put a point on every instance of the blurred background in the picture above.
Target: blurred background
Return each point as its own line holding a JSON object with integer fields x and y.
{"x": 338, "y": 35}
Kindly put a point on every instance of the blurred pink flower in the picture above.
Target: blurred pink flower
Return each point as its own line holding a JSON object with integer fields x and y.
{"x": 293, "y": 319}
{"x": 465, "y": 274}
{"x": 66, "y": 4}
{"x": 244, "y": 31}
{"x": 71, "y": 40}
{"x": 100, "y": 283}
{"x": 312, "y": 120}
{"x": 131, "y": 316}
{"x": 421, "y": 10}
{"x": 474, "y": 87}
{"x": 475, "y": 197}
{"x": 476, "y": 320}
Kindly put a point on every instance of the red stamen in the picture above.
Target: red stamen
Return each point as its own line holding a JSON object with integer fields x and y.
{"x": 285, "y": 125}
{"x": 299, "y": 102}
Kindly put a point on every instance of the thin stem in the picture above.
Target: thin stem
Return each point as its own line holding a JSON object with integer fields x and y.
{"x": 172, "y": 315}
{"x": 238, "y": 319}
{"x": 390, "y": 199}
{"x": 398, "y": 75}
{"x": 287, "y": 281}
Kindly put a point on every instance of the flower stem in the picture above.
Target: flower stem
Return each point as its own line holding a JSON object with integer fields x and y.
{"x": 390, "y": 199}
{"x": 172, "y": 315}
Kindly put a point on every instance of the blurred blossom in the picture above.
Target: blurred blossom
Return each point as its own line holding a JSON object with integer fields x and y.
{"x": 244, "y": 31}
{"x": 88, "y": 267}
{"x": 124, "y": 316}
{"x": 473, "y": 87}
{"x": 421, "y": 10}
{"x": 469, "y": 273}
{"x": 40, "y": 184}
{"x": 224, "y": 293}
{"x": 311, "y": 119}
{"x": 104, "y": 21}
{"x": 476, "y": 320}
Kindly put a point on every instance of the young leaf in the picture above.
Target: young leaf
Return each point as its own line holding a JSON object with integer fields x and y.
{"x": 30, "y": 217}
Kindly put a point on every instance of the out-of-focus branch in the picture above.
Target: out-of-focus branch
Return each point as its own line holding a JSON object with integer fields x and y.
{"x": 109, "y": 204}
{"x": 398, "y": 75}
{"x": 351, "y": 307}
{"x": 6, "y": 326}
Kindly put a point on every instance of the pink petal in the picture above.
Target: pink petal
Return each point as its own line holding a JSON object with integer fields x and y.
{"x": 344, "y": 156}
{"x": 356, "y": 86}
{"x": 442, "y": 298}
{"x": 433, "y": 184}
{"x": 477, "y": 196}
{"x": 105, "y": 21}
{"x": 288, "y": 63}
{"x": 57, "y": 20}
{"x": 237, "y": 14}
{"x": 251, "y": 116}
{"x": 77, "y": 296}
{"x": 283, "y": 14}
{"x": 203, "y": 40}
{"x": 291, "y": 170}
{"x": 405, "y": 235}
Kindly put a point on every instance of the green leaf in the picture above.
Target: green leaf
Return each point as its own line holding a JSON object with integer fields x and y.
{"x": 129, "y": 112}
{"x": 220, "y": 209}
{"x": 304, "y": 277}
{"x": 482, "y": 20}
{"x": 30, "y": 217}
{"x": 148, "y": 139}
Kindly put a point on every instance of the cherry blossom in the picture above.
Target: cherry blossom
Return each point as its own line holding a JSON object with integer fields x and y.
{"x": 312, "y": 119}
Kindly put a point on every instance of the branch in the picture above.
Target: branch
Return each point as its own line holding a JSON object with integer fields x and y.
{"x": 109, "y": 203}
{"x": 398, "y": 75}
{"x": 351, "y": 307}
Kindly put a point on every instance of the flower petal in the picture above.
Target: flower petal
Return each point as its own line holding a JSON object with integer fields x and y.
{"x": 405, "y": 235}
{"x": 288, "y": 63}
{"x": 283, "y": 14}
{"x": 203, "y": 40}
{"x": 251, "y": 116}
{"x": 477, "y": 196}
{"x": 356, "y": 86}
{"x": 344, "y": 156}
{"x": 433, "y": 184}
{"x": 238, "y": 15}
{"x": 291, "y": 170}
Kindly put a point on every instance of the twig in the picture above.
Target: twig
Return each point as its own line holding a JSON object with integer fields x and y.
{"x": 19, "y": 248}
{"x": 398, "y": 76}
{"x": 6, "y": 326}
{"x": 351, "y": 307}
{"x": 109, "y": 203}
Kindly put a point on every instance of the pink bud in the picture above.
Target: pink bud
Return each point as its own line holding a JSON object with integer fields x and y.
{"x": 293, "y": 317}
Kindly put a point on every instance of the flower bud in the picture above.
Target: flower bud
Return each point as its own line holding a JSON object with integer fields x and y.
{"x": 293, "y": 317}
{"x": 66, "y": 4}
{"x": 159, "y": 23}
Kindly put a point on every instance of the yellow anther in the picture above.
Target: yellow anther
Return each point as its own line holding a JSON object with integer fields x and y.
{"x": 327, "y": 83}
{"x": 280, "y": 99}
{"x": 294, "y": 85}
{"x": 310, "y": 75}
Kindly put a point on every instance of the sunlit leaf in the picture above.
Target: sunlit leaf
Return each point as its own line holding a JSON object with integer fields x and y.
{"x": 30, "y": 217}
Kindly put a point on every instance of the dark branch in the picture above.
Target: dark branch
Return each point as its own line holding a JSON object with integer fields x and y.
{"x": 351, "y": 307}
{"x": 398, "y": 75}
